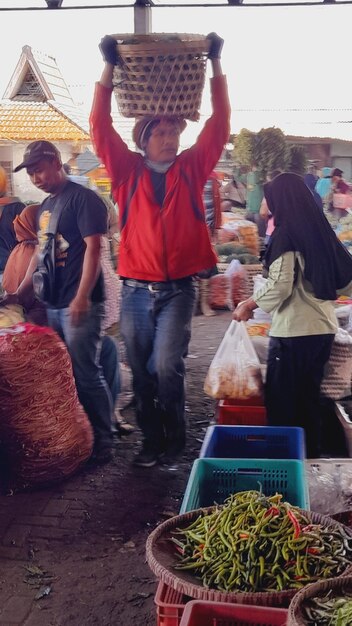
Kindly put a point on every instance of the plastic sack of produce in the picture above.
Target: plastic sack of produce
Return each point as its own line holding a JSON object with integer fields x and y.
{"x": 336, "y": 383}
{"x": 240, "y": 286}
{"x": 247, "y": 234}
{"x": 10, "y": 315}
{"x": 45, "y": 435}
{"x": 220, "y": 292}
{"x": 226, "y": 233}
{"x": 235, "y": 369}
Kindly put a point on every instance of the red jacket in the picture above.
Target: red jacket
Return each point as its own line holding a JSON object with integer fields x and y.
{"x": 172, "y": 241}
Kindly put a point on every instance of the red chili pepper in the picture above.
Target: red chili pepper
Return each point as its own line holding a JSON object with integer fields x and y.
{"x": 295, "y": 522}
{"x": 243, "y": 536}
{"x": 313, "y": 551}
{"x": 298, "y": 577}
{"x": 272, "y": 511}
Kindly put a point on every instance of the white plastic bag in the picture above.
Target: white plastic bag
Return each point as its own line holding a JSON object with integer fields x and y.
{"x": 235, "y": 369}
{"x": 240, "y": 288}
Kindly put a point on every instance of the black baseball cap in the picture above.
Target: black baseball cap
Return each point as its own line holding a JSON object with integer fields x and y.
{"x": 336, "y": 172}
{"x": 36, "y": 151}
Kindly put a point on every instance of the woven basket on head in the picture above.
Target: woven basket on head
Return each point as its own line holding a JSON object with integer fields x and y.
{"x": 337, "y": 587}
{"x": 161, "y": 558}
{"x": 160, "y": 74}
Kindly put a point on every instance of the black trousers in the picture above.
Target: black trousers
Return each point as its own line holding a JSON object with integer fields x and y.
{"x": 292, "y": 390}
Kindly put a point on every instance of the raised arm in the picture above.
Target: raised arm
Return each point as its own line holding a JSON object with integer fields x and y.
{"x": 215, "y": 133}
{"x": 109, "y": 146}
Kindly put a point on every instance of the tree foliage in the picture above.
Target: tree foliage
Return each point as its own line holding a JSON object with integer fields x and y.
{"x": 269, "y": 150}
{"x": 296, "y": 159}
{"x": 244, "y": 147}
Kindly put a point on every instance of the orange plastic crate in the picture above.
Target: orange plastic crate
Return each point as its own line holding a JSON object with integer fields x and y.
{"x": 170, "y": 605}
{"x": 231, "y": 412}
{"x": 202, "y": 613}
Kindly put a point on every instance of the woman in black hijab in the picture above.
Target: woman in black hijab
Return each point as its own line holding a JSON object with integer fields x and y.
{"x": 307, "y": 267}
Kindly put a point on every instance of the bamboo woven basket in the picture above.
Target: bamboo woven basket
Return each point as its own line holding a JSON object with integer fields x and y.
{"x": 252, "y": 271}
{"x": 338, "y": 586}
{"x": 160, "y": 74}
{"x": 161, "y": 558}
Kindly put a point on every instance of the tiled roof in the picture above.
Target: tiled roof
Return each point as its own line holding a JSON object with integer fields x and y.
{"x": 26, "y": 121}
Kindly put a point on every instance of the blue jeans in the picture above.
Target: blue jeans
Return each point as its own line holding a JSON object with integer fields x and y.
{"x": 109, "y": 361}
{"x": 84, "y": 344}
{"x": 156, "y": 328}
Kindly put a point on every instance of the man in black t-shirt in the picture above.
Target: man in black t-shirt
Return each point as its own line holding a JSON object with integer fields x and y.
{"x": 76, "y": 308}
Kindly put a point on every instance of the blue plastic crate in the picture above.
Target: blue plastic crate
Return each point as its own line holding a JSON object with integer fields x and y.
{"x": 254, "y": 442}
{"x": 213, "y": 480}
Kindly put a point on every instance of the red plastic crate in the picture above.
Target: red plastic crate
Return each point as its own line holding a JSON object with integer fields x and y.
{"x": 201, "y": 613}
{"x": 170, "y": 605}
{"x": 230, "y": 412}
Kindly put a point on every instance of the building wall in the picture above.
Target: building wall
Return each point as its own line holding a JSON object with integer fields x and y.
{"x": 342, "y": 157}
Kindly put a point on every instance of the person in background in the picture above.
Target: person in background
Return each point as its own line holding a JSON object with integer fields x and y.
{"x": 76, "y": 309}
{"x": 307, "y": 267}
{"x": 109, "y": 355}
{"x": 311, "y": 180}
{"x": 10, "y": 207}
{"x": 233, "y": 194}
{"x": 338, "y": 185}
{"x": 164, "y": 243}
{"x": 323, "y": 184}
{"x": 254, "y": 199}
{"x": 212, "y": 205}
{"x": 25, "y": 227}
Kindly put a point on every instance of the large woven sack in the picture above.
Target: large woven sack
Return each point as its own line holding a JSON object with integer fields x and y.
{"x": 160, "y": 74}
{"x": 332, "y": 586}
{"x": 45, "y": 435}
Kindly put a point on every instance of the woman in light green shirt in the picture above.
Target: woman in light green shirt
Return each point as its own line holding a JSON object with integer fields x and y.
{"x": 307, "y": 267}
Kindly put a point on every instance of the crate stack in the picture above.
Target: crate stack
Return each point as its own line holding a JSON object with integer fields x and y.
{"x": 237, "y": 458}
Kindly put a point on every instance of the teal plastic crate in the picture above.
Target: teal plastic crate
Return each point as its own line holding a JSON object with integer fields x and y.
{"x": 213, "y": 480}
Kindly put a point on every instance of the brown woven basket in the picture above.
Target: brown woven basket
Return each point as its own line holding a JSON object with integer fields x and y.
{"x": 336, "y": 585}
{"x": 160, "y": 74}
{"x": 222, "y": 267}
{"x": 161, "y": 558}
{"x": 252, "y": 271}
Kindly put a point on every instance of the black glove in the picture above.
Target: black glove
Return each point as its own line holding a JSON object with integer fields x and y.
{"x": 216, "y": 44}
{"x": 108, "y": 48}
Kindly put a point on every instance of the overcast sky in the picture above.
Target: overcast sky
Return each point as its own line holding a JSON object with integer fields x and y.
{"x": 274, "y": 58}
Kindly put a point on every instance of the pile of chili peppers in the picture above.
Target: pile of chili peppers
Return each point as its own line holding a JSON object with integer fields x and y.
{"x": 258, "y": 543}
{"x": 329, "y": 610}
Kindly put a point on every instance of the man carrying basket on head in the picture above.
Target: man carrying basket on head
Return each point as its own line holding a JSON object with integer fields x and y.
{"x": 164, "y": 244}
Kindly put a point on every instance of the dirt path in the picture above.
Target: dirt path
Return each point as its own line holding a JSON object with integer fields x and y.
{"x": 81, "y": 545}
